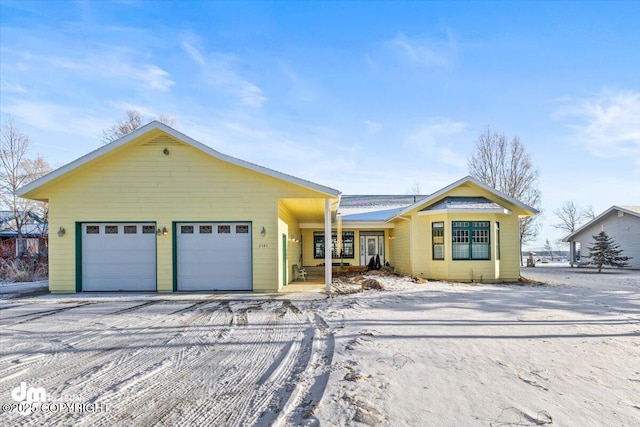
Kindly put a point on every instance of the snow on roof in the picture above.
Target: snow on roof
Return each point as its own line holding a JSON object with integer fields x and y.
{"x": 472, "y": 203}
{"x": 377, "y": 215}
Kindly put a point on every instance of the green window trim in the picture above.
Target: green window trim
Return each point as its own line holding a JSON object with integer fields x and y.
{"x": 470, "y": 240}
{"x": 437, "y": 240}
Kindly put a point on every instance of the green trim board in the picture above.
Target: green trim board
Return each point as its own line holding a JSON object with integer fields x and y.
{"x": 79, "y": 247}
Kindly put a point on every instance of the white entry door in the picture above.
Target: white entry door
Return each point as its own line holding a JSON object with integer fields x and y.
{"x": 371, "y": 246}
{"x": 214, "y": 256}
{"x": 119, "y": 257}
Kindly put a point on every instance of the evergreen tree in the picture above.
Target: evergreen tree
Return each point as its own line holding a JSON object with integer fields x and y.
{"x": 606, "y": 252}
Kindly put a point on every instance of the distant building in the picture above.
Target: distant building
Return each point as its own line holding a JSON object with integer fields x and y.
{"x": 621, "y": 223}
{"x": 34, "y": 231}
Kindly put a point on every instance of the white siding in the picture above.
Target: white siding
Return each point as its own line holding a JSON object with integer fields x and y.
{"x": 624, "y": 230}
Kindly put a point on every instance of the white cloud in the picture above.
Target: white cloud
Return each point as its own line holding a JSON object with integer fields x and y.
{"x": 372, "y": 127}
{"x": 219, "y": 70}
{"x": 422, "y": 51}
{"x": 436, "y": 138}
{"x": 608, "y": 125}
{"x": 112, "y": 63}
{"x": 193, "y": 53}
{"x": 58, "y": 118}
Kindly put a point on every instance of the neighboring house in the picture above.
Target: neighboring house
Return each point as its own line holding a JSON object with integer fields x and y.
{"x": 621, "y": 223}
{"x": 159, "y": 211}
{"x": 34, "y": 231}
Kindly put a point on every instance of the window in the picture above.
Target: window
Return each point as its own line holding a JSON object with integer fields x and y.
{"x": 348, "y": 249}
{"x": 437, "y": 239}
{"x": 111, "y": 229}
{"x": 224, "y": 229}
{"x": 186, "y": 229}
{"x": 347, "y": 244}
{"x": 206, "y": 229}
{"x": 148, "y": 229}
{"x": 242, "y": 229}
{"x": 93, "y": 229}
{"x": 470, "y": 240}
{"x": 130, "y": 229}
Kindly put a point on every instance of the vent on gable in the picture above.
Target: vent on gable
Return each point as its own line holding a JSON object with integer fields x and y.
{"x": 164, "y": 141}
{"x": 620, "y": 214}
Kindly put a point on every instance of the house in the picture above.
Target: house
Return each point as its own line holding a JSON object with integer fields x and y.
{"x": 466, "y": 231}
{"x": 159, "y": 211}
{"x": 34, "y": 232}
{"x": 621, "y": 223}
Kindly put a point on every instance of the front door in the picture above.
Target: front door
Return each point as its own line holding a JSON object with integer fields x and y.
{"x": 371, "y": 246}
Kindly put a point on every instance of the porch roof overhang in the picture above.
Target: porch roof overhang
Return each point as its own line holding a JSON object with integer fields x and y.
{"x": 356, "y": 225}
{"x": 310, "y": 210}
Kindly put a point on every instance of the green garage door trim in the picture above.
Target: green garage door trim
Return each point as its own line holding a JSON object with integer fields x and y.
{"x": 79, "y": 248}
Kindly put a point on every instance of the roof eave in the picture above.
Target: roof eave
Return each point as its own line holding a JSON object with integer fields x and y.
{"x": 22, "y": 192}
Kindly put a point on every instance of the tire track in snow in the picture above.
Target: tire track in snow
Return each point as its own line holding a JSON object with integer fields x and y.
{"x": 146, "y": 390}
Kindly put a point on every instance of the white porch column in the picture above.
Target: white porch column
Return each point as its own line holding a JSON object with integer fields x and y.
{"x": 327, "y": 245}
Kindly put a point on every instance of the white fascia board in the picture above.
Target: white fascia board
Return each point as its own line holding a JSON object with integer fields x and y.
{"x": 459, "y": 182}
{"x": 598, "y": 218}
{"x": 356, "y": 225}
{"x": 367, "y": 224}
{"x": 503, "y": 211}
{"x": 186, "y": 139}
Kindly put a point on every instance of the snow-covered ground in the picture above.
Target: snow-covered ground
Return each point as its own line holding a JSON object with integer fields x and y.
{"x": 566, "y": 353}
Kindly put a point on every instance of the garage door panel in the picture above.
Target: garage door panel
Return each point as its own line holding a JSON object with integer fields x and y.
{"x": 119, "y": 257}
{"x": 214, "y": 256}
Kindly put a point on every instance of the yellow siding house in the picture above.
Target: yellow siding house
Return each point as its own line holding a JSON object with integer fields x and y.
{"x": 159, "y": 211}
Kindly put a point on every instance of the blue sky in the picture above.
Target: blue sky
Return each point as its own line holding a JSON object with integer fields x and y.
{"x": 365, "y": 97}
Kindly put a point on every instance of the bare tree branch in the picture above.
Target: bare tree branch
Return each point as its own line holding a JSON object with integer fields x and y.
{"x": 506, "y": 166}
{"x": 133, "y": 120}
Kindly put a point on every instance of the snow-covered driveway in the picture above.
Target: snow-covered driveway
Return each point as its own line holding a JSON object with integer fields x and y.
{"x": 146, "y": 360}
{"x": 416, "y": 354}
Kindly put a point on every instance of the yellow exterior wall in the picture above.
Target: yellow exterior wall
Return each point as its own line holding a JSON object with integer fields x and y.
{"x": 138, "y": 182}
{"x": 288, "y": 224}
{"x": 400, "y": 248}
{"x": 307, "y": 247}
{"x": 414, "y": 255}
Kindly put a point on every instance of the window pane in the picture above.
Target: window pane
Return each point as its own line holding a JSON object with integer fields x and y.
{"x": 93, "y": 229}
{"x": 242, "y": 229}
{"x": 206, "y": 229}
{"x": 460, "y": 251}
{"x": 186, "y": 229}
{"x": 438, "y": 251}
{"x": 224, "y": 229}
{"x": 111, "y": 229}
{"x": 148, "y": 229}
{"x": 130, "y": 229}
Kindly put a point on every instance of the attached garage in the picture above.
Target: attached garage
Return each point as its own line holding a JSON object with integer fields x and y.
{"x": 118, "y": 257}
{"x": 213, "y": 256}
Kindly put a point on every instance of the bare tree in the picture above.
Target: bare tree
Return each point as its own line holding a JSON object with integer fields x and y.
{"x": 16, "y": 170}
{"x": 132, "y": 120}
{"x": 571, "y": 216}
{"x": 507, "y": 167}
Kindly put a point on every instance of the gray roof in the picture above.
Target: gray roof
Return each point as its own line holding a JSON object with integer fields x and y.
{"x": 33, "y": 227}
{"x": 471, "y": 203}
{"x": 378, "y": 215}
{"x": 376, "y": 201}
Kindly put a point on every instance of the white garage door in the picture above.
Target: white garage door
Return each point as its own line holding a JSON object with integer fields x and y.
{"x": 119, "y": 257}
{"x": 214, "y": 256}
